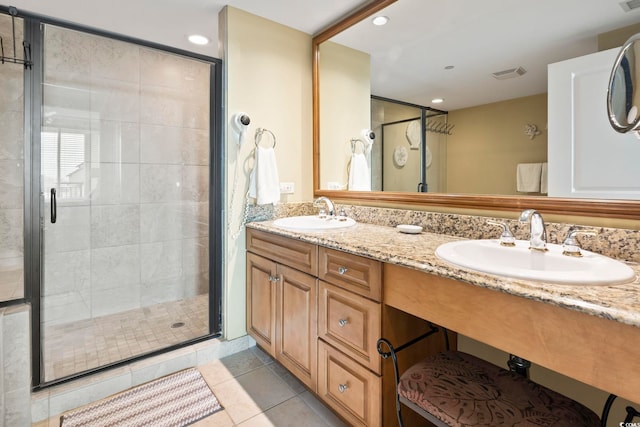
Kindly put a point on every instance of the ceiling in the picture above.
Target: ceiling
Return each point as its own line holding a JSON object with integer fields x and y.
{"x": 169, "y": 22}
{"x": 408, "y": 55}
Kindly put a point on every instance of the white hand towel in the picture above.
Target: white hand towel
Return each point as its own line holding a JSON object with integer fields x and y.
{"x": 528, "y": 177}
{"x": 359, "y": 175}
{"x": 544, "y": 181}
{"x": 264, "y": 183}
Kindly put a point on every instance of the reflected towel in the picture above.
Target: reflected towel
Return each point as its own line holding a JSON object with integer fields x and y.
{"x": 264, "y": 185}
{"x": 359, "y": 175}
{"x": 544, "y": 181}
{"x": 528, "y": 177}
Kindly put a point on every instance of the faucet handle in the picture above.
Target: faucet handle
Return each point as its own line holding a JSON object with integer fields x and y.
{"x": 506, "y": 238}
{"x": 571, "y": 246}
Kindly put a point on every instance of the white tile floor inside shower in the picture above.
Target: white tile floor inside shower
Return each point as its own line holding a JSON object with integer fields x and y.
{"x": 256, "y": 392}
{"x": 87, "y": 344}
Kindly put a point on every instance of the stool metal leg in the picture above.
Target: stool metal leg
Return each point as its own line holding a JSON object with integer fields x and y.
{"x": 392, "y": 353}
{"x": 631, "y": 414}
{"x": 606, "y": 409}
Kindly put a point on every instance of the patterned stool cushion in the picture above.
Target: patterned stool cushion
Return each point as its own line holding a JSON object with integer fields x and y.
{"x": 462, "y": 390}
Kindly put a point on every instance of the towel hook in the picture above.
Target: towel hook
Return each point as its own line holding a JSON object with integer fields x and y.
{"x": 259, "y": 133}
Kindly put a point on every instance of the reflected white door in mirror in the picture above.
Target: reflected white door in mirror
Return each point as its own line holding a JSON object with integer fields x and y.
{"x": 587, "y": 157}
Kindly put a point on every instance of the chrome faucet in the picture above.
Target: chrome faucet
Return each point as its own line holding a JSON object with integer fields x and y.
{"x": 538, "y": 237}
{"x": 330, "y": 208}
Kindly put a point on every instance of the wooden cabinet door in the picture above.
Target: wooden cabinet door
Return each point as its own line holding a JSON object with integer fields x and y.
{"x": 349, "y": 388}
{"x": 261, "y": 301}
{"x": 296, "y": 324}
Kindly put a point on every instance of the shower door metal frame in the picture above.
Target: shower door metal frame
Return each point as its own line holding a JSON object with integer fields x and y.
{"x": 33, "y": 99}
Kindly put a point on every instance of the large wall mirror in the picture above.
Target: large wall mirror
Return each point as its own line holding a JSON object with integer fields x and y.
{"x": 489, "y": 63}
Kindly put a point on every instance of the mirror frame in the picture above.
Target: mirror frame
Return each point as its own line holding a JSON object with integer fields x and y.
{"x": 623, "y": 209}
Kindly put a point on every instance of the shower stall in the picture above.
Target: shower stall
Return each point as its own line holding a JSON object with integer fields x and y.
{"x": 122, "y": 199}
{"x": 411, "y": 154}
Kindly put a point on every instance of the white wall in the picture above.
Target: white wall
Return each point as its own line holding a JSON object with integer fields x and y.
{"x": 268, "y": 76}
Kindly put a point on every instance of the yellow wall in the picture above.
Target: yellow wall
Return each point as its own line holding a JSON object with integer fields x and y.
{"x": 345, "y": 104}
{"x": 616, "y": 38}
{"x": 488, "y": 142}
{"x": 268, "y": 76}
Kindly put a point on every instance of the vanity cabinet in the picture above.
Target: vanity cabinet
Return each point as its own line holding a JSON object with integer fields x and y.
{"x": 282, "y": 301}
{"x": 319, "y": 312}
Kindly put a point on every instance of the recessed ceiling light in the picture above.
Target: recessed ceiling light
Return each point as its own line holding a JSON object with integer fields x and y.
{"x": 380, "y": 20}
{"x": 437, "y": 100}
{"x": 198, "y": 39}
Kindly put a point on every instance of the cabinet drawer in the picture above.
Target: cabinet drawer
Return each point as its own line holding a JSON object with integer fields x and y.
{"x": 302, "y": 256}
{"x": 350, "y": 323}
{"x": 348, "y": 388}
{"x": 354, "y": 273}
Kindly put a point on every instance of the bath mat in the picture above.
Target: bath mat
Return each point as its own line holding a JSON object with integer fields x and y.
{"x": 176, "y": 400}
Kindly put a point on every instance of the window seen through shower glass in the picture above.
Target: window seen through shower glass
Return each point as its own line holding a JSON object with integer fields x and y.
{"x": 11, "y": 166}
{"x": 125, "y": 146}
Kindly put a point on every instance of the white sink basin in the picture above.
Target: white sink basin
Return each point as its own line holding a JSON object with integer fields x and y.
{"x": 312, "y": 222}
{"x": 488, "y": 256}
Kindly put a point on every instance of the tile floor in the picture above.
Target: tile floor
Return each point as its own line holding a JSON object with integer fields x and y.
{"x": 87, "y": 344}
{"x": 255, "y": 392}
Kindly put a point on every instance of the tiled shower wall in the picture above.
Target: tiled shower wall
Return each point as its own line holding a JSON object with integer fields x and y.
{"x": 15, "y": 372}
{"x": 132, "y": 227}
{"x": 11, "y": 168}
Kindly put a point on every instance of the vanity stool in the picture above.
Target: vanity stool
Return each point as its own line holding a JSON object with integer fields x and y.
{"x": 457, "y": 389}
{"x": 453, "y": 388}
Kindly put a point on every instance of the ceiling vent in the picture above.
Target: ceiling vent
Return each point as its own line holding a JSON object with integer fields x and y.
{"x": 510, "y": 73}
{"x": 630, "y": 5}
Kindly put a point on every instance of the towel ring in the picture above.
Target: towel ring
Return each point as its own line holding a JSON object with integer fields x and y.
{"x": 259, "y": 133}
{"x": 354, "y": 141}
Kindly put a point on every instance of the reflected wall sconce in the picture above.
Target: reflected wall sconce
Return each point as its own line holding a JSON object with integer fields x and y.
{"x": 531, "y": 130}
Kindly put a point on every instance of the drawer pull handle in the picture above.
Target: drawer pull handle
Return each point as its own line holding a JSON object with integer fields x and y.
{"x": 342, "y": 270}
{"x": 342, "y": 387}
{"x": 343, "y": 322}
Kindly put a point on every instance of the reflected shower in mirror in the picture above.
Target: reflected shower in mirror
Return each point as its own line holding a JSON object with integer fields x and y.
{"x": 411, "y": 155}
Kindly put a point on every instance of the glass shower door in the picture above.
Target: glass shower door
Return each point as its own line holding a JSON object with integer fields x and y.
{"x": 125, "y": 190}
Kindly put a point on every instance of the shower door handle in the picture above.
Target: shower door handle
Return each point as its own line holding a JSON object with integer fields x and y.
{"x": 54, "y": 206}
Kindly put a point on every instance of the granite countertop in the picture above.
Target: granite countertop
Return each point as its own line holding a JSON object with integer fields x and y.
{"x": 417, "y": 251}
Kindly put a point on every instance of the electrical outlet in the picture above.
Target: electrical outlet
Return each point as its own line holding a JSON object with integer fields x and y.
{"x": 287, "y": 187}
